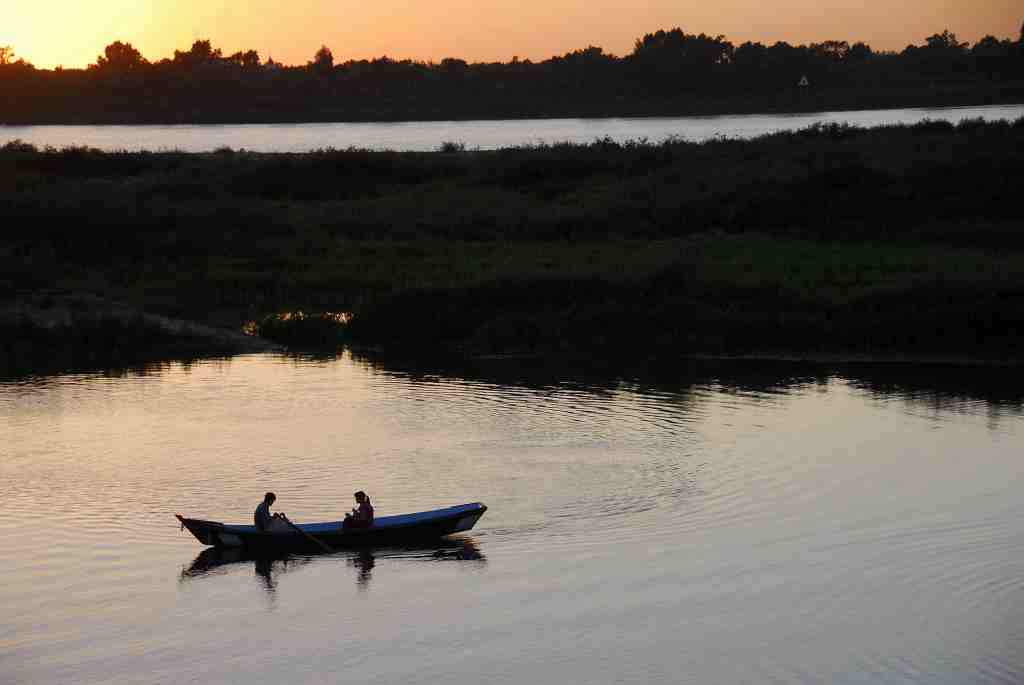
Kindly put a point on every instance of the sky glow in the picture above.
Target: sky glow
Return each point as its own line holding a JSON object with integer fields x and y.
{"x": 72, "y": 33}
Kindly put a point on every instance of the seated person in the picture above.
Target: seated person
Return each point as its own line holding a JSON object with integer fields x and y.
{"x": 361, "y": 516}
{"x": 267, "y": 523}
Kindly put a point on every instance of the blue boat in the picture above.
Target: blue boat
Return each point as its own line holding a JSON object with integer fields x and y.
{"x": 423, "y": 525}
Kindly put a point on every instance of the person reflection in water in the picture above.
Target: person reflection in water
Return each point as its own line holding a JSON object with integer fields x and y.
{"x": 363, "y": 562}
{"x": 265, "y": 570}
{"x": 265, "y": 522}
{"x": 362, "y": 515}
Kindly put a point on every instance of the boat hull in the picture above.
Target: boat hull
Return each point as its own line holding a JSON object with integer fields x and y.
{"x": 385, "y": 531}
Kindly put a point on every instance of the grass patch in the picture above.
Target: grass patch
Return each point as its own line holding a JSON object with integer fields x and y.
{"x": 832, "y": 237}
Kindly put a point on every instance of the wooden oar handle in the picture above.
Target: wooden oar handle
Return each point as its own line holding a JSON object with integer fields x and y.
{"x": 318, "y": 541}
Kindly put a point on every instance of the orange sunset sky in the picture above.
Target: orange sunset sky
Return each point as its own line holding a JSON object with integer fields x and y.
{"x": 72, "y": 32}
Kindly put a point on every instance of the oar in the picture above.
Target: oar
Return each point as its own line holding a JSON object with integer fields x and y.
{"x": 318, "y": 541}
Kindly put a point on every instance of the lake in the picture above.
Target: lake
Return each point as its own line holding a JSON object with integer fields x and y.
{"x": 705, "y": 522}
{"x": 485, "y": 135}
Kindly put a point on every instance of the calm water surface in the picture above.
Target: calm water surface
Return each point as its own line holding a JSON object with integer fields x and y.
{"x": 486, "y": 135}
{"x": 720, "y": 524}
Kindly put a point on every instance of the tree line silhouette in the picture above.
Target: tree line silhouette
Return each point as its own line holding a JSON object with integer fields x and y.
{"x": 667, "y": 72}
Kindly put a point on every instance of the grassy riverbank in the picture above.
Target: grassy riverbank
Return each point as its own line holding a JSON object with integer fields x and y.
{"x": 828, "y": 240}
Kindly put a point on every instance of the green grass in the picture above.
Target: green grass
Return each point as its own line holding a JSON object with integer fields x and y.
{"x": 799, "y": 270}
{"x": 844, "y": 273}
{"x": 351, "y": 272}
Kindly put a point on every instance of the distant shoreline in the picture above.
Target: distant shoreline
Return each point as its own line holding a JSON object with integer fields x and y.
{"x": 74, "y": 332}
{"x": 62, "y": 331}
{"x": 1004, "y": 95}
{"x": 668, "y": 73}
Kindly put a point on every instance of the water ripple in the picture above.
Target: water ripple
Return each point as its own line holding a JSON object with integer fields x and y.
{"x": 738, "y": 528}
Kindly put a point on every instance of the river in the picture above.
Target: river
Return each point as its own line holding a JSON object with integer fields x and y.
{"x": 484, "y": 135}
{"x": 707, "y": 522}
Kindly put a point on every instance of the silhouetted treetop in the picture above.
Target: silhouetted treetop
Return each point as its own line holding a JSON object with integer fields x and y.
{"x": 120, "y": 57}
{"x": 860, "y": 51}
{"x": 454, "y": 64}
{"x": 8, "y": 63}
{"x": 323, "y": 60}
{"x": 945, "y": 42}
{"x": 991, "y": 46}
{"x": 202, "y": 53}
{"x": 833, "y": 50}
{"x": 676, "y": 46}
{"x": 248, "y": 59}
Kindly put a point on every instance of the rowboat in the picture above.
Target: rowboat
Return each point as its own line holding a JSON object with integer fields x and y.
{"x": 423, "y": 525}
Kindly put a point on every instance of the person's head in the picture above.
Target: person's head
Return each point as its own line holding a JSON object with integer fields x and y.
{"x": 360, "y": 496}
{"x": 269, "y": 498}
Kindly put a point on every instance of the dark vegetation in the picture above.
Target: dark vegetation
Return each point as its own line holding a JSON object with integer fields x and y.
{"x": 90, "y": 340}
{"x": 831, "y": 240}
{"x": 44, "y": 332}
{"x": 668, "y": 72}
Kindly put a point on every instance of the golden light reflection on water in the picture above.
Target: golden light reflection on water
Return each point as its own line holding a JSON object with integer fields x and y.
{"x": 828, "y": 523}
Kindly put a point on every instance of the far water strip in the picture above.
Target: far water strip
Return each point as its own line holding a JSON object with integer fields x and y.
{"x": 480, "y": 134}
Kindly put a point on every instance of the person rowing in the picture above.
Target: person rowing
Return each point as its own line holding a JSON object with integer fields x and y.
{"x": 267, "y": 522}
{"x": 362, "y": 515}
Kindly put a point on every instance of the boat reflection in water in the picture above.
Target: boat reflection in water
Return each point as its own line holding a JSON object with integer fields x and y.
{"x": 215, "y": 561}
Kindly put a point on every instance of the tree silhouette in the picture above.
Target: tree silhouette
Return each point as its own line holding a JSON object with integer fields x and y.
{"x": 860, "y": 51}
{"x": 11, "y": 65}
{"x": 990, "y": 46}
{"x": 323, "y": 60}
{"x": 670, "y": 61}
{"x": 668, "y": 72}
{"x": 679, "y": 47}
{"x": 750, "y": 56}
{"x": 454, "y": 64}
{"x": 202, "y": 53}
{"x": 120, "y": 57}
{"x": 249, "y": 59}
{"x": 832, "y": 50}
{"x": 945, "y": 42}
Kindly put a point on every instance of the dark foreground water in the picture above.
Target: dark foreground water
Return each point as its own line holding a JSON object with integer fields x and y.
{"x": 482, "y": 134}
{"x": 755, "y": 523}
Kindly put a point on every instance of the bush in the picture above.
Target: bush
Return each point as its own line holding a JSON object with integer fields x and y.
{"x": 301, "y": 330}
